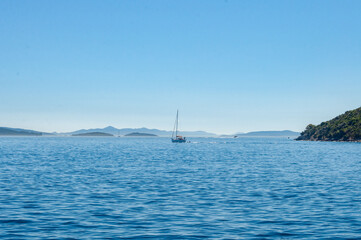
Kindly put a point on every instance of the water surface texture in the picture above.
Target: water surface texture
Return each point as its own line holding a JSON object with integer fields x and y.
{"x": 125, "y": 188}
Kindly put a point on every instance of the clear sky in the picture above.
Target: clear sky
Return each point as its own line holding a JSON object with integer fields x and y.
{"x": 228, "y": 66}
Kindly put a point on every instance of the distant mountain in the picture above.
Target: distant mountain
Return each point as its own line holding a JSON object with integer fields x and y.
{"x": 110, "y": 130}
{"x": 285, "y": 133}
{"x": 138, "y": 134}
{"x": 5, "y": 131}
{"x": 345, "y": 127}
{"x": 228, "y": 136}
{"x": 93, "y": 134}
{"x": 196, "y": 134}
{"x": 160, "y": 133}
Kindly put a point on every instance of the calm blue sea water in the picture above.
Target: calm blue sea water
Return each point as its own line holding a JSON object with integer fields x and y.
{"x": 246, "y": 188}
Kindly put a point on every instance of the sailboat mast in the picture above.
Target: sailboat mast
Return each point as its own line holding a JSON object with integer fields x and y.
{"x": 175, "y": 128}
{"x": 176, "y": 131}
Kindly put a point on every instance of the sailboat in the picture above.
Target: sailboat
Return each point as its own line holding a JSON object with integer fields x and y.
{"x": 175, "y": 137}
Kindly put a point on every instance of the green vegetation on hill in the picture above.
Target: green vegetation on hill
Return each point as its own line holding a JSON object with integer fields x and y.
{"x": 345, "y": 127}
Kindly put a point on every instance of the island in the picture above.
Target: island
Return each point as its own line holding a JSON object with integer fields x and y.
{"x": 138, "y": 134}
{"x": 5, "y": 131}
{"x": 345, "y": 127}
{"x": 93, "y": 134}
{"x": 284, "y": 133}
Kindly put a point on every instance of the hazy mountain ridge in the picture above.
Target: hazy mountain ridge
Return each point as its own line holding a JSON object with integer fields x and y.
{"x": 93, "y": 134}
{"x": 139, "y": 134}
{"x": 125, "y": 131}
{"x": 5, "y": 131}
{"x": 284, "y": 133}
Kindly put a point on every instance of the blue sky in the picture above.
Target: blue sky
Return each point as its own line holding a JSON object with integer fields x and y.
{"x": 228, "y": 66}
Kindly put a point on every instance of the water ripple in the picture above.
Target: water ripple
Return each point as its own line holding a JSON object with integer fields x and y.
{"x": 114, "y": 188}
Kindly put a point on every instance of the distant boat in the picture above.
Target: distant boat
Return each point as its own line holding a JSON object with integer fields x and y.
{"x": 175, "y": 137}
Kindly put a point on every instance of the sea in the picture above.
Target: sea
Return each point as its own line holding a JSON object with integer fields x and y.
{"x": 150, "y": 188}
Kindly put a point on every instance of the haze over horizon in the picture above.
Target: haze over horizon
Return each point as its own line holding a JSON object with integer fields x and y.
{"x": 228, "y": 66}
